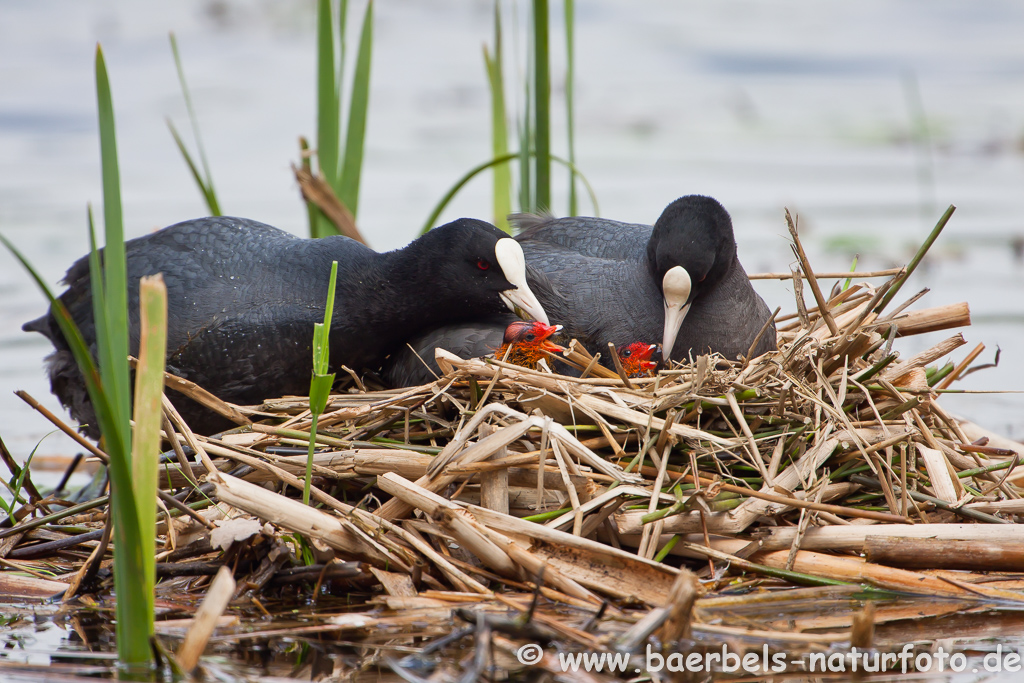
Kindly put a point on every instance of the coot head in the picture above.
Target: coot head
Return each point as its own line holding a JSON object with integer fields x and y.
{"x": 476, "y": 263}
{"x": 692, "y": 247}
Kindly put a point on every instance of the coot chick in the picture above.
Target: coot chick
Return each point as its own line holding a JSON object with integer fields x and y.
{"x": 414, "y": 363}
{"x": 636, "y": 359}
{"x": 525, "y": 343}
{"x": 243, "y": 297}
{"x": 679, "y": 281}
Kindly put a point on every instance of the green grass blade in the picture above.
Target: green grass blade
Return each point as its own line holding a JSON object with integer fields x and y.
{"x": 359, "y": 104}
{"x": 476, "y": 170}
{"x": 205, "y": 183}
{"x": 570, "y": 77}
{"x": 133, "y": 629}
{"x": 134, "y": 604}
{"x": 912, "y": 266}
{"x": 149, "y": 390}
{"x": 527, "y": 196}
{"x": 321, "y": 383}
{"x": 472, "y": 173}
{"x": 207, "y": 191}
{"x": 115, "y": 278}
{"x": 328, "y": 105}
{"x": 586, "y": 183}
{"x": 499, "y": 128}
{"x": 542, "y": 107}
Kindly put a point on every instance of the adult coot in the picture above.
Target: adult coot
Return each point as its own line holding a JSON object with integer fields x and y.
{"x": 243, "y": 298}
{"x": 679, "y": 281}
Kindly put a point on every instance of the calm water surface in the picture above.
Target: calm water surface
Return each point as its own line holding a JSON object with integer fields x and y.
{"x": 868, "y": 119}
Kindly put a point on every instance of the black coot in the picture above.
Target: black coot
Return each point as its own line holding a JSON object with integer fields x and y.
{"x": 243, "y": 298}
{"x": 679, "y": 282}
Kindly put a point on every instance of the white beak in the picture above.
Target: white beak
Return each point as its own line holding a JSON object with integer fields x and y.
{"x": 675, "y": 287}
{"x": 520, "y": 300}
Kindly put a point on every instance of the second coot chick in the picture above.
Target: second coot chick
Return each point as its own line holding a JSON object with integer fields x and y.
{"x": 679, "y": 281}
{"x": 243, "y": 298}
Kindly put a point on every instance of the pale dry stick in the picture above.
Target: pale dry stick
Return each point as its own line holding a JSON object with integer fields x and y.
{"x": 645, "y": 550}
{"x": 203, "y": 397}
{"x": 59, "y": 424}
{"x": 828, "y": 276}
{"x": 216, "y": 601}
{"x": 852, "y": 538}
{"x": 618, "y": 365}
{"x": 755, "y": 452}
{"x": 574, "y": 499}
{"x": 462, "y": 581}
{"x": 811, "y": 280}
{"x": 770, "y": 322}
{"x": 190, "y": 439}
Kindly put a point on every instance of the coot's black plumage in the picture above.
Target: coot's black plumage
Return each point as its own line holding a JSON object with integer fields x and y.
{"x": 414, "y": 363}
{"x": 243, "y": 298}
{"x": 618, "y": 282}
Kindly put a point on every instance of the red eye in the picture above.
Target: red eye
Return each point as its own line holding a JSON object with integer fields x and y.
{"x": 483, "y": 264}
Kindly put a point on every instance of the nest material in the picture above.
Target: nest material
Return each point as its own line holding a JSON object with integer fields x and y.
{"x": 827, "y": 462}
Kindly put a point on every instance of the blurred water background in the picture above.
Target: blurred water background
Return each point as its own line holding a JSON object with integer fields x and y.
{"x": 866, "y": 118}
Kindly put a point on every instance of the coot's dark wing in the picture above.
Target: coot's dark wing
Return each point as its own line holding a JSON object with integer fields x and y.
{"x": 602, "y": 300}
{"x": 596, "y": 237}
{"x": 409, "y": 366}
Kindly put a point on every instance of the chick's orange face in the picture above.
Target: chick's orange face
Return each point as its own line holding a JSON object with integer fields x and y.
{"x": 525, "y": 343}
{"x": 636, "y": 359}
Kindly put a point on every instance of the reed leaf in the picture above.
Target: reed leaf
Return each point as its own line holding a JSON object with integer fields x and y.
{"x": 542, "y": 108}
{"x": 149, "y": 391}
{"x": 359, "y": 103}
{"x": 476, "y": 170}
{"x": 135, "y": 599}
{"x": 115, "y": 374}
{"x": 322, "y": 381}
{"x": 499, "y": 127}
{"x": 205, "y": 179}
{"x": 570, "y": 78}
{"x": 328, "y": 97}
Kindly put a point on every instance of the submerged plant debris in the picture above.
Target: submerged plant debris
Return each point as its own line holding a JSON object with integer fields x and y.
{"x": 500, "y": 519}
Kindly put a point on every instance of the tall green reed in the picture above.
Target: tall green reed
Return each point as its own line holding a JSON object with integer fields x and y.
{"x": 340, "y": 163}
{"x": 203, "y": 180}
{"x": 534, "y": 157}
{"x": 132, "y": 463}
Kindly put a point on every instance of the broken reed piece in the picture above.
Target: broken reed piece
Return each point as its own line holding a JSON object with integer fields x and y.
{"x": 805, "y": 265}
{"x": 217, "y": 598}
{"x": 914, "y": 262}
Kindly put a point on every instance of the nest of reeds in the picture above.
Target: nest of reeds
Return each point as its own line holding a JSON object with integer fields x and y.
{"x": 603, "y": 512}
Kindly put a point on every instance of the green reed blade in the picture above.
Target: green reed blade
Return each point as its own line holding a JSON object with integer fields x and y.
{"x": 476, "y": 170}
{"x": 204, "y": 180}
{"x": 472, "y": 173}
{"x": 355, "y": 138}
{"x": 542, "y": 107}
{"x": 149, "y": 391}
{"x": 115, "y": 276}
{"x": 499, "y": 127}
{"x": 570, "y": 77}
{"x": 912, "y": 266}
{"x": 328, "y": 104}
